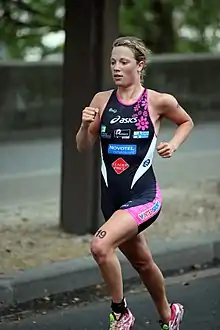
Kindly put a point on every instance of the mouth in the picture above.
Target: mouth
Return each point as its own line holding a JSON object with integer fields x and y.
{"x": 118, "y": 76}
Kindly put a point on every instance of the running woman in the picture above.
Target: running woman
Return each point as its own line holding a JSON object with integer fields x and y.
{"x": 127, "y": 121}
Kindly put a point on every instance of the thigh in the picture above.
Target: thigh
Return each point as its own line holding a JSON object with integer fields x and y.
{"x": 136, "y": 250}
{"x": 118, "y": 229}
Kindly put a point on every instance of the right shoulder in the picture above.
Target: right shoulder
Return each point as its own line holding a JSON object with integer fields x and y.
{"x": 101, "y": 98}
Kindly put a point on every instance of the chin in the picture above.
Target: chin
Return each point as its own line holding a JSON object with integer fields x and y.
{"x": 120, "y": 84}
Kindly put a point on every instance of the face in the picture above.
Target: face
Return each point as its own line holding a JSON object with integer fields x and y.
{"x": 124, "y": 67}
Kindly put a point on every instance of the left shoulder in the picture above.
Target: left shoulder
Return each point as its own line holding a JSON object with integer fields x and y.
{"x": 163, "y": 102}
{"x": 166, "y": 102}
{"x": 166, "y": 105}
{"x": 166, "y": 98}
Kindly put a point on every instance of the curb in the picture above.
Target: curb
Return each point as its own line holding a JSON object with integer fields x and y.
{"x": 77, "y": 274}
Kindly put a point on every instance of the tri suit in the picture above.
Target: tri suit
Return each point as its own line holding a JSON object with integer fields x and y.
{"x": 128, "y": 142}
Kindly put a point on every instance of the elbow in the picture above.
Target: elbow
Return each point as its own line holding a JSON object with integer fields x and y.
{"x": 79, "y": 147}
{"x": 188, "y": 123}
{"x": 191, "y": 123}
{"x": 83, "y": 144}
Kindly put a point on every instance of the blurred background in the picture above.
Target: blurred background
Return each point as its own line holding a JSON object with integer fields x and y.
{"x": 49, "y": 194}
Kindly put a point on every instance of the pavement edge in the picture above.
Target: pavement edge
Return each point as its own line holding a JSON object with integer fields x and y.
{"x": 80, "y": 273}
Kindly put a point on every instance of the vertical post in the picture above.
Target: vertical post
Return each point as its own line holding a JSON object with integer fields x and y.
{"x": 111, "y": 32}
{"x": 82, "y": 79}
{"x": 97, "y": 75}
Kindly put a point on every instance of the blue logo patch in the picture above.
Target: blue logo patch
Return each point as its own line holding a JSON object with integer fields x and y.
{"x": 122, "y": 149}
{"x": 141, "y": 134}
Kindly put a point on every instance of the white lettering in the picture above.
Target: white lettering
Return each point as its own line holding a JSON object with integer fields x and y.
{"x": 113, "y": 110}
{"x": 121, "y": 148}
{"x": 123, "y": 120}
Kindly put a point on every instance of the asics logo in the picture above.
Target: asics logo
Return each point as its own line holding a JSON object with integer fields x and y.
{"x": 122, "y": 120}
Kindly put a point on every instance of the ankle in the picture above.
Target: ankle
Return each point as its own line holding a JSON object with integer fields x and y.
{"x": 164, "y": 310}
{"x": 119, "y": 308}
{"x": 166, "y": 315}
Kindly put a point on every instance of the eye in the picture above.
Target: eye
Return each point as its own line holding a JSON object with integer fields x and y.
{"x": 124, "y": 62}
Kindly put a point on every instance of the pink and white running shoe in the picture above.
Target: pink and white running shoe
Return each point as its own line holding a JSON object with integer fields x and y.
{"x": 177, "y": 312}
{"x": 123, "y": 321}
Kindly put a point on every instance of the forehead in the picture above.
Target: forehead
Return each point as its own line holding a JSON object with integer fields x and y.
{"x": 122, "y": 52}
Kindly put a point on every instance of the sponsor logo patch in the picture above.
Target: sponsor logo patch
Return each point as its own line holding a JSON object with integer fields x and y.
{"x": 146, "y": 162}
{"x": 122, "y": 149}
{"x": 123, "y": 120}
{"x": 122, "y": 133}
{"x": 103, "y": 128}
{"x": 112, "y": 110}
{"x": 106, "y": 135}
{"x": 141, "y": 134}
{"x": 120, "y": 165}
{"x": 149, "y": 212}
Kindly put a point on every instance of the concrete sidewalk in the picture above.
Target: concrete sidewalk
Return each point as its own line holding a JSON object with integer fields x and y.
{"x": 80, "y": 273}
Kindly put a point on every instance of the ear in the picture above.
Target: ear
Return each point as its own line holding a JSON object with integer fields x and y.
{"x": 141, "y": 65}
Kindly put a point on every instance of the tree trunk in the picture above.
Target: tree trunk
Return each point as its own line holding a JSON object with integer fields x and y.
{"x": 163, "y": 26}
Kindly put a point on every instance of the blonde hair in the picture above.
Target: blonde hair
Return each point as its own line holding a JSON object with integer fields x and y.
{"x": 141, "y": 52}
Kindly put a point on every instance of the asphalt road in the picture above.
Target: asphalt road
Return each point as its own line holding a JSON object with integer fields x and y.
{"x": 200, "y": 297}
{"x": 30, "y": 170}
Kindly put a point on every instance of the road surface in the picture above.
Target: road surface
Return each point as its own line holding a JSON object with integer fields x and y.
{"x": 31, "y": 170}
{"x": 201, "y": 300}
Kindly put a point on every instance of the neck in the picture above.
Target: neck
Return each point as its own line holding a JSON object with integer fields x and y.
{"x": 130, "y": 92}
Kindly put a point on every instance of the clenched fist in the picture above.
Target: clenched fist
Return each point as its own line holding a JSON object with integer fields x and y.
{"x": 88, "y": 116}
{"x": 165, "y": 149}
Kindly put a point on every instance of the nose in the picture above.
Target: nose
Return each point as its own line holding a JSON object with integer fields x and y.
{"x": 116, "y": 67}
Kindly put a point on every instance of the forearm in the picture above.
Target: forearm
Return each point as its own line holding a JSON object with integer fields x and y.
{"x": 181, "y": 134}
{"x": 84, "y": 139}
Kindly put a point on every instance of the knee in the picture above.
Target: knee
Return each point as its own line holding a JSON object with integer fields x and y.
{"x": 99, "y": 250}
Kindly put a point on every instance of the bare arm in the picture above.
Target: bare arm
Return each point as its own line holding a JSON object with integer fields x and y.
{"x": 89, "y": 128}
{"x": 169, "y": 108}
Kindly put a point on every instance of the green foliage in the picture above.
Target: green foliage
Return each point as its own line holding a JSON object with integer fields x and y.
{"x": 165, "y": 25}
{"x": 185, "y": 25}
{"x": 24, "y": 22}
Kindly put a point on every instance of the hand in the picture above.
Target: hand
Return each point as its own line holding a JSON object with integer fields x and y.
{"x": 88, "y": 116}
{"x": 165, "y": 149}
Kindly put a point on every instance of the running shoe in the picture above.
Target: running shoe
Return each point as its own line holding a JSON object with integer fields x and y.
{"x": 177, "y": 312}
{"x": 123, "y": 321}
